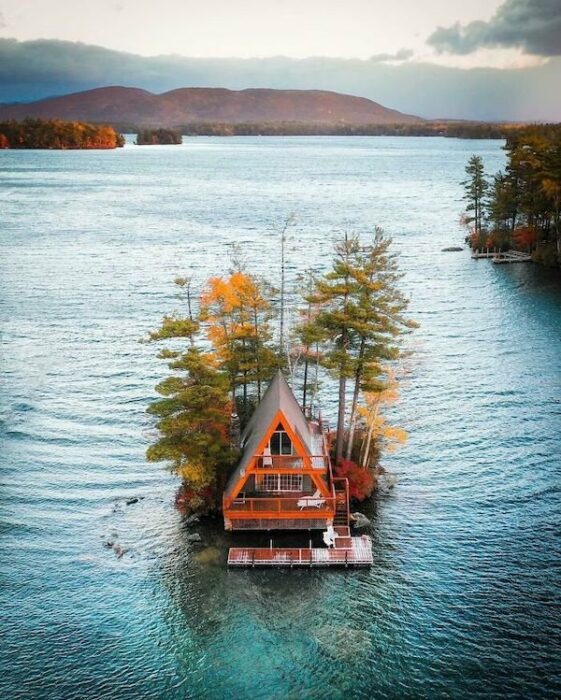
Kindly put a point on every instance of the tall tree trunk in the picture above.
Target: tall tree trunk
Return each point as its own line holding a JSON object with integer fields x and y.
{"x": 305, "y": 389}
{"x": 316, "y": 380}
{"x": 354, "y": 406}
{"x": 369, "y": 438}
{"x": 339, "y": 441}
{"x": 257, "y": 353}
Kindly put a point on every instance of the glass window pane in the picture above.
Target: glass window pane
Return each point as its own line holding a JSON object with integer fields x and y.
{"x": 286, "y": 445}
{"x": 275, "y": 444}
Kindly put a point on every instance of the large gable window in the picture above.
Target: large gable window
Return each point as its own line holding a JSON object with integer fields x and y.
{"x": 280, "y": 443}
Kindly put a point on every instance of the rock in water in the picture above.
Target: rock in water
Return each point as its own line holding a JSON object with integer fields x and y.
{"x": 194, "y": 537}
{"x": 359, "y": 520}
{"x": 119, "y": 551}
{"x": 390, "y": 480}
{"x": 453, "y": 249}
{"x": 131, "y": 501}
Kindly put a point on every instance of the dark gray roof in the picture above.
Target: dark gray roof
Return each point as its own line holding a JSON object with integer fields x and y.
{"x": 278, "y": 396}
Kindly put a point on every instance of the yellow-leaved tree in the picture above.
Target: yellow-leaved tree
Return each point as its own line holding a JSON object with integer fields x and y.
{"x": 379, "y": 433}
{"x": 236, "y": 313}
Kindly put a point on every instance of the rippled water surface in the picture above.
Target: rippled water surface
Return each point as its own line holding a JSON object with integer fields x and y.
{"x": 463, "y": 599}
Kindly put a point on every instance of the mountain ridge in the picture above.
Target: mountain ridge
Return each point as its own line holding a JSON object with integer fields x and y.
{"x": 120, "y": 104}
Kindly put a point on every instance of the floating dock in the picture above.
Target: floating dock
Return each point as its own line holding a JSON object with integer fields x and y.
{"x": 513, "y": 256}
{"x": 500, "y": 258}
{"x": 347, "y": 551}
{"x": 477, "y": 254}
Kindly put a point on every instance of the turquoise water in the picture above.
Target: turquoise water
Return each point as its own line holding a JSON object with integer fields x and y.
{"x": 463, "y": 599}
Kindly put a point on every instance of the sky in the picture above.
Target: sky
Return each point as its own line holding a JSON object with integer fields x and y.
{"x": 49, "y": 46}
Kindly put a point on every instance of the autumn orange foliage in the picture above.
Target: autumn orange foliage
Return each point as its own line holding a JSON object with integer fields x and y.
{"x": 525, "y": 237}
{"x": 361, "y": 479}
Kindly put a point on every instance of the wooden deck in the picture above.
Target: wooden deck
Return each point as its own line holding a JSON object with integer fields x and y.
{"x": 347, "y": 551}
{"x": 513, "y": 256}
{"x": 499, "y": 257}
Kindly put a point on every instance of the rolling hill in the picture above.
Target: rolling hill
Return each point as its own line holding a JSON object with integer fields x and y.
{"x": 124, "y": 105}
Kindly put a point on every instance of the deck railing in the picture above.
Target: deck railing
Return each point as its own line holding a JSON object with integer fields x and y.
{"x": 277, "y": 462}
{"x": 300, "y": 505}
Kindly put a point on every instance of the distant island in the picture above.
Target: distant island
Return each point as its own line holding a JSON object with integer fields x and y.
{"x": 57, "y": 134}
{"x": 158, "y": 137}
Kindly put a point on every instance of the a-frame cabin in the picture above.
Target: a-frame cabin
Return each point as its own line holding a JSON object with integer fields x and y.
{"x": 283, "y": 480}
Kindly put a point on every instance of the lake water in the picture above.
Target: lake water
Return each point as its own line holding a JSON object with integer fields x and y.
{"x": 463, "y": 600}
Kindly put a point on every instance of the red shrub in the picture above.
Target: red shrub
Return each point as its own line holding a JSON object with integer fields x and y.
{"x": 361, "y": 479}
{"x": 525, "y": 237}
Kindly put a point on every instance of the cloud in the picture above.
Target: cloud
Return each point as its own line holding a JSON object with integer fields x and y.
{"x": 31, "y": 70}
{"x": 3, "y": 23}
{"x": 401, "y": 55}
{"x": 531, "y": 25}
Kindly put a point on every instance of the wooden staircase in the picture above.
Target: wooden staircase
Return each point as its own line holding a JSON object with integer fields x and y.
{"x": 341, "y": 518}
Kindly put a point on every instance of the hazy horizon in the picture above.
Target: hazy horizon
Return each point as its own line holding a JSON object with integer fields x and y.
{"x": 495, "y": 60}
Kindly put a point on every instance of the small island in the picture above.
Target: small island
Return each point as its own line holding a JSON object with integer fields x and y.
{"x": 56, "y": 134}
{"x": 238, "y": 418}
{"x": 158, "y": 137}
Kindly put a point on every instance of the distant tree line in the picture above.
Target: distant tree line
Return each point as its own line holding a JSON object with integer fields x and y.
{"x": 520, "y": 207}
{"x": 57, "y": 134}
{"x": 155, "y": 137}
{"x": 465, "y": 130}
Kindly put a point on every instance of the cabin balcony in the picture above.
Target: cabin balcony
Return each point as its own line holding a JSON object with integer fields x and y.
{"x": 278, "y": 463}
{"x": 295, "y": 512}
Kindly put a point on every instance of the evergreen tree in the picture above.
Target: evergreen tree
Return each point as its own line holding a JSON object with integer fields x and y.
{"x": 193, "y": 421}
{"x": 475, "y": 189}
{"x": 358, "y": 323}
{"x": 379, "y": 322}
{"x": 193, "y": 415}
{"x": 335, "y": 295}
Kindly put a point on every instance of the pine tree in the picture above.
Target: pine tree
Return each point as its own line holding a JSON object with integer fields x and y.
{"x": 335, "y": 296}
{"x": 379, "y": 322}
{"x": 359, "y": 321}
{"x": 475, "y": 189}
{"x": 193, "y": 415}
{"x": 193, "y": 420}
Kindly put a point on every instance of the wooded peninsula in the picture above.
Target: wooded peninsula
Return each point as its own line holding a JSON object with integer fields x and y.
{"x": 57, "y": 134}
{"x": 519, "y": 208}
{"x": 232, "y": 336}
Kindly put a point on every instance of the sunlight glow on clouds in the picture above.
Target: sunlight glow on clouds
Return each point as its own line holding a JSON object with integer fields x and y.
{"x": 247, "y": 28}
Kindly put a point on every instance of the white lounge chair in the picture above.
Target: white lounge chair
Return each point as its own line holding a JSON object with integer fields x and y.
{"x": 329, "y": 536}
{"x": 316, "y": 500}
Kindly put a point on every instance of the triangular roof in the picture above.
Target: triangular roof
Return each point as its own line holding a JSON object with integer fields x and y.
{"x": 278, "y": 397}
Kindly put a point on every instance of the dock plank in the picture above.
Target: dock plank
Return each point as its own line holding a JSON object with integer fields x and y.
{"x": 348, "y": 552}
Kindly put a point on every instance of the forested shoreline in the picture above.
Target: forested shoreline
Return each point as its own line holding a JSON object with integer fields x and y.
{"x": 232, "y": 336}
{"x": 467, "y": 130}
{"x": 464, "y": 130}
{"x": 519, "y": 207}
{"x": 56, "y": 134}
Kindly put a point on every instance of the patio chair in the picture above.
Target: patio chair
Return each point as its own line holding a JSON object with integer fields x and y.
{"x": 316, "y": 500}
